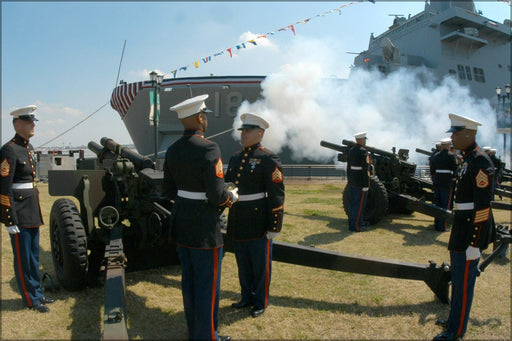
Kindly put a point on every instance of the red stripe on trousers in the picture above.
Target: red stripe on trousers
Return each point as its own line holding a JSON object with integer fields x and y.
{"x": 267, "y": 273}
{"x": 359, "y": 212}
{"x": 464, "y": 298}
{"x": 214, "y": 288}
{"x": 20, "y": 270}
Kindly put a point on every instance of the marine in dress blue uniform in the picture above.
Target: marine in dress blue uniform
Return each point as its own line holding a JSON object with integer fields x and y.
{"x": 194, "y": 179}
{"x": 443, "y": 166}
{"x": 258, "y": 215}
{"x": 472, "y": 224}
{"x": 20, "y": 211}
{"x": 358, "y": 173}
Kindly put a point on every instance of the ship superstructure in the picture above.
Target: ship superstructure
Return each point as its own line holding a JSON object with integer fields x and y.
{"x": 449, "y": 38}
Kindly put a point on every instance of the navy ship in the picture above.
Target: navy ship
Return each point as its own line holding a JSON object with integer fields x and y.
{"x": 449, "y": 38}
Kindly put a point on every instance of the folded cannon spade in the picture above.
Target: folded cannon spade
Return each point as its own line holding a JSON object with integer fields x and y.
{"x": 394, "y": 188}
{"x": 123, "y": 224}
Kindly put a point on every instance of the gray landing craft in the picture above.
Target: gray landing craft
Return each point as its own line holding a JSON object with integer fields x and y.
{"x": 449, "y": 38}
{"x": 123, "y": 221}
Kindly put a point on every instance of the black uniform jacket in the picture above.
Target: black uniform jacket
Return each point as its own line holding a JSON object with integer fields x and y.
{"x": 443, "y": 167}
{"x": 474, "y": 184}
{"x": 358, "y": 167}
{"x": 194, "y": 164}
{"x": 18, "y": 166}
{"x": 256, "y": 170}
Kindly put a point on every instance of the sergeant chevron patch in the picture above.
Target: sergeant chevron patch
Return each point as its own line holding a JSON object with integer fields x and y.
{"x": 482, "y": 215}
{"x": 482, "y": 179}
{"x": 4, "y": 200}
{"x": 277, "y": 176}
{"x": 4, "y": 168}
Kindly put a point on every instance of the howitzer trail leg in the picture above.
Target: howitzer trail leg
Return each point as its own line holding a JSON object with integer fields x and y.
{"x": 115, "y": 314}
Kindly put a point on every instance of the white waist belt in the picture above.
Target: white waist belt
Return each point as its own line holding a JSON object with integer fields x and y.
{"x": 192, "y": 195}
{"x": 444, "y": 171}
{"x": 24, "y": 185}
{"x": 250, "y": 197}
{"x": 356, "y": 168}
{"x": 462, "y": 206}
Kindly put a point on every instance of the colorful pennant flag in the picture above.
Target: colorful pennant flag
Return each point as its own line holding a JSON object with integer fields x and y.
{"x": 265, "y": 36}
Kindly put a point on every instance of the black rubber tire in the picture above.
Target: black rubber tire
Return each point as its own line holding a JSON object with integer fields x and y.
{"x": 69, "y": 244}
{"x": 376, "y": 203}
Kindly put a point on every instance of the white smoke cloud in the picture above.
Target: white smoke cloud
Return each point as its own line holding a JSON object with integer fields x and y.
{"x": 406, "y": 109}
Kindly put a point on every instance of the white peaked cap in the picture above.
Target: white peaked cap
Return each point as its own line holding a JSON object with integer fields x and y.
{"x": 461, "y": 122}
{"x": 493, "y": 150}
{"x": 361, "y": 135}
{"x": 191, "y": 106}
{"x": 446, "y": 140}
{"x": 251, "y": 121}
{"x": 25, "y": 113}
{"x": 487, "y": 148}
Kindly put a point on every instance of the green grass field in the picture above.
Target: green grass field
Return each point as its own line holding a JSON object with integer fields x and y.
{"x": 305, "y": 303}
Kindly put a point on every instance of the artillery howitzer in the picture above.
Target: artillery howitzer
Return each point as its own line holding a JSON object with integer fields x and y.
{"x": 123, "y": 222}
{"x": 393, "y": 184}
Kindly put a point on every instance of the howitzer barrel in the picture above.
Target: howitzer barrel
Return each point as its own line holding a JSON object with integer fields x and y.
{"x": 423, "y": 151}
{"x": 95, "y": 148}
{"x": 333, "y": 146}
{"x": 368, "y": 148}
{"x": 138, "y": 160}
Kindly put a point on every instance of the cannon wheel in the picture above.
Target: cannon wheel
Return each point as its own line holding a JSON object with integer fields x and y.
{"x": 69, "y": 244}
{"x": 376, "y": 203}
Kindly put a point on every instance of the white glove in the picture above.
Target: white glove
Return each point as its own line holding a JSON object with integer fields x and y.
{"x": 271, "y": 235}
{"x": 365, "y": 189}
{"x": 472, "y": 253}
{"x": 13, "y": 229}
{"x": 233, "y": 194}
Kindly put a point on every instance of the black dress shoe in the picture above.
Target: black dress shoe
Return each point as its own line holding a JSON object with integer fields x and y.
{"x": 442, "y": 323}
{"x": 40, "y": 308}
{"x": 224, "y": 338}
{"x": 240, "y": 305}
{"x": 444, "y": 336}
{"x": 46, "y": 300}
{"x": 257, "y": 312}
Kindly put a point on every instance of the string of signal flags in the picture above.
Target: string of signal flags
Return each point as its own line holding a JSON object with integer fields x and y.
{"x": 253, "y": 41}
{"x": 290, "y": 28}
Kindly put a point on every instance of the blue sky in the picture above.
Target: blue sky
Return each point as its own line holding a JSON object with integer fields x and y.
{"x": 64, "y": 56}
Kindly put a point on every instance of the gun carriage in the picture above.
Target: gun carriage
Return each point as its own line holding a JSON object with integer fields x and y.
{"x": 123, "y": 224}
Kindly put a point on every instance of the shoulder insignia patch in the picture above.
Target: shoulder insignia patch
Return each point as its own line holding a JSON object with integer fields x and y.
{"x": 218, "y": 169}
{"x": 4, "y": 168}
{"x": 482, "y": 179}
{"x": 277, "y": 175}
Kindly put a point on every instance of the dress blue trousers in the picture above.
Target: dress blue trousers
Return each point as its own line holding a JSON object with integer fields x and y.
{"x": 200, "y": 285}
{"x": 463, "y": 277}
{"x": 254, "y": 260}
{"x": 25, "y": 248}
{"x": 356, "y": 208}
{"x": 443, "y": 199}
